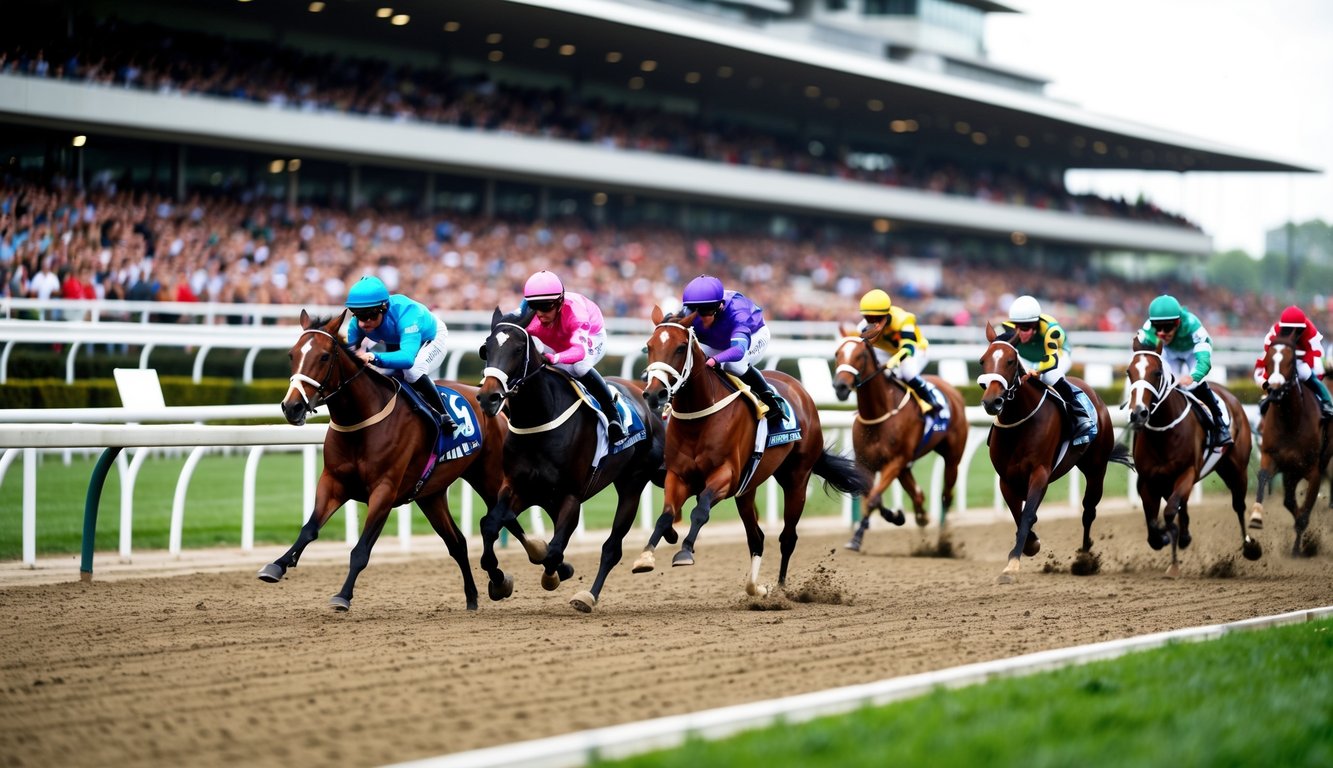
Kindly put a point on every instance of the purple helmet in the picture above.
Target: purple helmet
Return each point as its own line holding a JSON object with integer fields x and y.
{"x": 704, "y": 289}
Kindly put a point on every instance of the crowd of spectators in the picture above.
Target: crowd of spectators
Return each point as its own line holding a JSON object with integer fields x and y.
{"x": 57, "y": 240}
{"x": 153, "y": 58}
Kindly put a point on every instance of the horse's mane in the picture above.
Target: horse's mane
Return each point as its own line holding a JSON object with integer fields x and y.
{"x": 322, "y": 321}
{"x": 683, "y": 317}
{"x": 520, "y": 318}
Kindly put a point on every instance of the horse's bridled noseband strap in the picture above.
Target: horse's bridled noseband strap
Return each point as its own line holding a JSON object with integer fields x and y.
{"x": 497, "y": 374}
{"x": 844, "y": 368}
{"x": 986, "y": 379}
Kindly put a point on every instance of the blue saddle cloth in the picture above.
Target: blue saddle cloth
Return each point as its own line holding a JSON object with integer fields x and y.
{"x": 790, "y": 431}
{"x": 635, "y": 430}
{"x": 466, "y": 438}
{"x": 938, "y": 420}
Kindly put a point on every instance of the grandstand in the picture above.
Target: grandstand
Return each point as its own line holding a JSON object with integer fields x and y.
{"x": 858, "y": 141}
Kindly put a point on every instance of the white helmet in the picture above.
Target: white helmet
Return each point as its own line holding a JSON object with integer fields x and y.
{"x": 1025, "y": 309}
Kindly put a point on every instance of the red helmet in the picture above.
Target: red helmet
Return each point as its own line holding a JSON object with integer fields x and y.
{"x": 1292, "y": 317}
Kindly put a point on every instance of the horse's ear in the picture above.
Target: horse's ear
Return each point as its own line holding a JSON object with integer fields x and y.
{"x": 1139, "y": 346}
{"x": 990, "y": 332}
{"x": 845, "y": 330}
{"x": 336, "y": 322}
{"x": 495, "y": 316}
{"x": 657, "y": 315}
{"x": 305, "y": 319}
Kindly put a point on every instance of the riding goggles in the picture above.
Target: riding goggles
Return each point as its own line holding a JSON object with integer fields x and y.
{"x": 544, "y": 306}
{"x": 1025, "y": 326}
{"x": 368, "y": 313}
{"x": 1166, "y": 326}
{"x": 707, "y": 310}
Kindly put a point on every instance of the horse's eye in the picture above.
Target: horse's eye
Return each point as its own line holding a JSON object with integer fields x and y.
{"x": 481, "y": 351}
{"x": 645, "y": 349}
{"x": 324, "y": 358}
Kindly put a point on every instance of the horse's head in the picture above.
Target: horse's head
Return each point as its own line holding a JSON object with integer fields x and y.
{"x": 1148, "y": 382}
{"x": 671, "y": 350}
{"x": 1280, "y": 367}
{"x": 1001, "y": 372}
{"x": 512, "y": 356}
{"x": 855, "y": 363}
{"x": 317, "y": 358}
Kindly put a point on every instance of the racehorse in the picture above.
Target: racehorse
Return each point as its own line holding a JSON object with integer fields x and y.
{"x": 1294, "y": 441}
{"x": 1029, "y": 450}
{"x": 1171, "y": 452}
{"x": 889, "y": 435}
{"x": 712, "y": 454}
{"x": 378, "y": 450}
{"x": 556, "y": 455}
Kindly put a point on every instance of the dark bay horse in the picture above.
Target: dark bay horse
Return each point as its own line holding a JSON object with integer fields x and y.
{"x": 1170, "y": 452}
{"x": 711, "y": 434}
{"x": 551, "y": 455}
{"x": 1026, "y": 443}
{"x": 889, "y": 434}
{"x": 1294, "y": 442}
{"x": 377, "y": 449}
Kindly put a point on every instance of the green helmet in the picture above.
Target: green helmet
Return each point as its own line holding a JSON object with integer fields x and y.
{"x": 1164, "y": 307}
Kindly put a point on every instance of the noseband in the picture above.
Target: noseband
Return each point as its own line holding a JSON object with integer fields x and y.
{"x": 1160, "y": 393}
{"x": 507, "y": 387}
{"x": 662, "y": 371}
{"x": 857, "y": 380}
{"x": 322, "y": 392}
{"x": 1010, "y": 386}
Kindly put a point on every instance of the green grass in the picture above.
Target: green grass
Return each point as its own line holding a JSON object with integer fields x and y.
{"x": 1249, "y": 698}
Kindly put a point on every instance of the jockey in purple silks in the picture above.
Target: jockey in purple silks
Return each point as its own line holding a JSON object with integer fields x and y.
{"x": 732, "y": 333}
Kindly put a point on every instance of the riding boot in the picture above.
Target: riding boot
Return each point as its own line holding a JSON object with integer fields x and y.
{"x": 1221, "y": 432}
{"x": 1083, "y": 423}
{"x": 1325, "y": 402}
{"x": 918, "y": 386}
{"x": 764, "y": 391}
{"x": 426, "y": 388}
{"x": 601, "y": 392}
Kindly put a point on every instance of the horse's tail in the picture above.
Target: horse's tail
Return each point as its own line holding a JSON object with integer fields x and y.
{"x": 842, "y": 473}
{"x": 1120, "y": 454}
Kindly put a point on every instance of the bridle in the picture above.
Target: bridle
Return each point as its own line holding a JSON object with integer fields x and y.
{"x": 1160, "y": 393}
{"x": 1279, "y": 391}
{"x": 508, "y": 387}
{"x": 867, "y": 350}
{"x": 322, "y": 392}
{"x": 1010, "y": 385}
{"x": 673, "y": 379}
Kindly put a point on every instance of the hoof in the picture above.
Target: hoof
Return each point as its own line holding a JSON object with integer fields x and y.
{"x": 756, "y": 590}
{"x": 583, "y": 602}
{"x": 340, "y": 603}
{"x": 1252, "y": 549}
{"x": 1006, "y": 578}
{"x": 645, "y": 563}
{"x": 1256, "y": 523}
{"x": 1032, "y": 546}
{"x": 1184, "y": 540}
{"x": 1173, "y": 572}
{"x": 550, "y": 581}
{"x": 922, "y": 518}
{"x": 683, "y": 557}
{"x": 565, "y": 571}
{"x": 272, "y": 573}
{"x": 854, "y": 545}
{"x": 499, "y": 590}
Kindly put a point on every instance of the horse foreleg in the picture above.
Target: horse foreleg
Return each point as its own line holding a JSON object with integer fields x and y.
{"x": 436, "y": 510}
{"x": 893, "y": 470}
{"x": 329, "y": 495}
{"x": 500, "y": 585}
{"x": 566, "y": 518}
{"x": 646, "y": 561}
{"x": 612, "y": 549}
{"x": 1176, "y": 504}
{"x": 1301, "y": 514}
{"x": 699, "y": 516}
{"x": 754, "y": 538}
{"x": 377, "y": 513}
{"x": 1024, "y": 511}
{"x": 1264, "y": 477}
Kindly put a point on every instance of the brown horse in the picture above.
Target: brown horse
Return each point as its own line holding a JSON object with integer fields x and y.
{"x": 1170, "y": 451}
{"x": 710, "y": 441}
{"x": 889, "y": 435}
{"x": 1294, "y": 442}
{"x": 1027, "y": 448}
{"x": 377, "y": 450}
{"x": 551, "y": 452}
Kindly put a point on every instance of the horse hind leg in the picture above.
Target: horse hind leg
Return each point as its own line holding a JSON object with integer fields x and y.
{"x": 754, "y": 537}
{"x": 646, "y": 561}
{"x": 854, "y": 543}
{"x": 436, "y": 510}
{"x": 360, "y": 557}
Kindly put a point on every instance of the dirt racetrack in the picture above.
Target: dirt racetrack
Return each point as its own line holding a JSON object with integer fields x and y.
{"x": 220, "y": 669}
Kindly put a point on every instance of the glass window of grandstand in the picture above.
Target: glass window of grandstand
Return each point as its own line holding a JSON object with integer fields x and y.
{"x": 890, "y": 7}
{"x": 390, "y": 189}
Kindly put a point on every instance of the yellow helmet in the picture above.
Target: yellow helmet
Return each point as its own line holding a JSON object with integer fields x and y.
{"x": 876, "y": 302}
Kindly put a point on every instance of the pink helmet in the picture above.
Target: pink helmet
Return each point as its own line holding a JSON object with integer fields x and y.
{"x": 543, "y": 286}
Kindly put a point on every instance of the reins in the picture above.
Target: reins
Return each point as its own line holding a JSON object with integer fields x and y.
{"x": 858, "y": 381}
{"x": 673, "y": 380}
{"x": 323, "y": 394}
{"x": 1011, "y": 389}
{"x": 1160, "y": 394}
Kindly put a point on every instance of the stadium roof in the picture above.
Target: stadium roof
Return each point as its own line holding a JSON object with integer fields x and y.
{"x": 740, "y": 66}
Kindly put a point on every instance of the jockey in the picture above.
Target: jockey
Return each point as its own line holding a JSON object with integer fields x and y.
{"x": 732, "y": 333}
{"x": 571, "y": 326}
{"x": 899, "y": 344}
{"x": 1040, "y": 342}
{"x": 1310, "y": 348}
{"x": 1185, "y": 345}
{"x": 410, "y": 333}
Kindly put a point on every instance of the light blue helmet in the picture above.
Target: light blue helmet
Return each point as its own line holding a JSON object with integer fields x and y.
{"x": 368, "y": 292}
